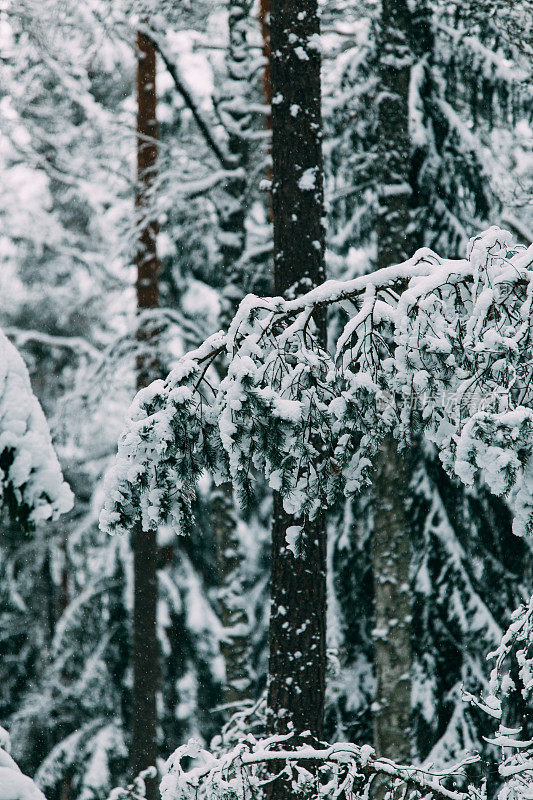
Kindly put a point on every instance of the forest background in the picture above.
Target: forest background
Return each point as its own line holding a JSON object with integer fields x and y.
{"x": 69, "y": 235}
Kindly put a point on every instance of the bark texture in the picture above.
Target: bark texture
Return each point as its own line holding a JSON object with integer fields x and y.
{"x": 391, "y": 541}
{"x": 232, "y": 208}
{"x": 264, "y": 21}
{"x": 392, "y": 643}
{"x": 233, "y": 613}
{"x": 232, "y": 212}
{"x": 145, "y": 655}
{"x": 296, "y": 683}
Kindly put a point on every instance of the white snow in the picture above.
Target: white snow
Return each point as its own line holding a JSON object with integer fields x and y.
{"x": 308, "y": 179}
{"x": 16, "y": 786}
{"x": 34, "y": 475}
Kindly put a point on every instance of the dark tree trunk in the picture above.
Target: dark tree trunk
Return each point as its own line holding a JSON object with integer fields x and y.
{"x": 392, "y": 644}
{"x": 235, "y": 648}
{"x": 296, "y": 682}
{"x": 296, "y": 147}
{"x": 394, "y": 191}
{"x": 391, "y": 541}
{"x": 145, "y": 655}
{"x": 264, "y": 21}
{"x": 232, "y": 240}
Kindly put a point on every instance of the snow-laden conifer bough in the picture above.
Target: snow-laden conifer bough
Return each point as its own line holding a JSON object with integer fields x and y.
{"x": 434, "y": 345}
{"x": 33, "y": 490}
{"x": 31, "y": 484}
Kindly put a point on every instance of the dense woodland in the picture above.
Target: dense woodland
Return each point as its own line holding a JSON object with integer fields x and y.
{"x": 314, "y": 218}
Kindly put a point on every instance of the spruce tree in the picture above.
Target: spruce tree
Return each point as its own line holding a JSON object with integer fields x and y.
{"x": 452, "y": 187}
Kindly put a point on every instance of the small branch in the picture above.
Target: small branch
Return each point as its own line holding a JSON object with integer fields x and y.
{"x": 190, "y": 102}
{"x": 75, "y": 343}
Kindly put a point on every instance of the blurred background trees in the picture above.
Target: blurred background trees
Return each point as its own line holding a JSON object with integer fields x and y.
{"x": 68, "y": 239}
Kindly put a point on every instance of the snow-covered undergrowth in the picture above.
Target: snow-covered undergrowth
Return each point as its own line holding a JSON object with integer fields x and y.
{"x": 341, "y": 770}
{"x": 31, "y": 483}
{"x": 13, "y": 784}
{"x": 435, "y": 344}
{"x": 240, "y": 766}
{"x": 511, "y": 680}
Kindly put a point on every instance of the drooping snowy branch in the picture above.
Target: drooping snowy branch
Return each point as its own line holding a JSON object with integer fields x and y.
{"x": 31, "y": 483}
{"x": 512, "y": 674}
{"x": 431, "y": 344}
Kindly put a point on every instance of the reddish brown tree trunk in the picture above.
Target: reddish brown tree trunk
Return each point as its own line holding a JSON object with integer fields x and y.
{"x": 145, "y": 655}
{"x": 264, "y": 20}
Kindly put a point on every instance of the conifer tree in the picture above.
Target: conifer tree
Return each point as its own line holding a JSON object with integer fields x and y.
{"x": 450, "y": 187}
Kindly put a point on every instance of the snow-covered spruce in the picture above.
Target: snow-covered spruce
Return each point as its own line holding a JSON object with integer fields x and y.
{"x": 31, "y": 483}
{"x": 435, "y": 344}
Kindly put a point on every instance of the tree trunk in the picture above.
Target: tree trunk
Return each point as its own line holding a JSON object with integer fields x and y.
{"x": 391, "y": 542}
{"x": 232, "y": 240}
{"x": 296, "y": 681}
{"x": 392, "y": 644}
{"x": 145, "y": 655}
{"x": 232, "y": 208}
{"x": 264, "y": 21}
{"x": 231, "y": 594}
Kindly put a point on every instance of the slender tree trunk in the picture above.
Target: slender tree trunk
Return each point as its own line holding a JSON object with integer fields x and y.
{"x": 392, "y": 645}
{"x": 391, "y": 541}
{"x": 232, "y": 208}
{"x": 145, "y": 656}
{"x": 264, "y": 21}
{"x": 62, "y": 605}
{"x": 296, "y": 681}
{"x": 235, "y": 649}
{"x": 232, "y": 240}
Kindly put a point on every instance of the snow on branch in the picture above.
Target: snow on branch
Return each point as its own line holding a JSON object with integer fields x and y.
{"x": 77, "y": 344}
{"x": 31, "y": 483}
{"x": 434, "y": 345}
{"x": 338, "y": 770}
{"x": 512, "y": 676}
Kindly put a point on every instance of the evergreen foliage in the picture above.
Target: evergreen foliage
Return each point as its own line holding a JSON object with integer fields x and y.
{"x": 66, "y": 247}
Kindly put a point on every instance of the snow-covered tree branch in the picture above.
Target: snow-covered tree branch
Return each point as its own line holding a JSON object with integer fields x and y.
{"x": 345, "y": 770}
{"x": 31, "y": 484}
{"x": 443, "y": 345}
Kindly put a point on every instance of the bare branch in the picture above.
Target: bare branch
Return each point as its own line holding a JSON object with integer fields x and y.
{"x": 190, "y": 102}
